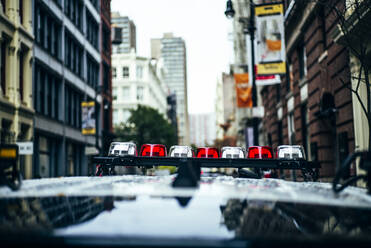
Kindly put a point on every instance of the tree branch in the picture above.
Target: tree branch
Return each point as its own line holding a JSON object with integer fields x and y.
{"x": 357, "y": 95}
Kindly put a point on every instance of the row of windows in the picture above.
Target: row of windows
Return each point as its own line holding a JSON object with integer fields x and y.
{"x": 72, "y": 107}
{"x": 92, "y": 72}
{"x": 74, "y": 54}
{"x": 117, "y": 118}
{"x": 126, "y": 72}
{"x": 74, "y": 11}
{"x": 47, "y": 92}
{"x": 48, "y": 32}
{"x": 126, "y": 93}
{"x": 92, "y": 30}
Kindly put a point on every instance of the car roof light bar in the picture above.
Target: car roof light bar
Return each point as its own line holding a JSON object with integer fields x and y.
{"x": 207, "y": 162}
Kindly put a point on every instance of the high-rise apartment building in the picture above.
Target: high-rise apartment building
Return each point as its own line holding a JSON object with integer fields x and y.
{"x": 66, "y": 71}
{"x": 16, "y": 109}
{"x": 173, "y": 51}
{"x": 124, "y": 34}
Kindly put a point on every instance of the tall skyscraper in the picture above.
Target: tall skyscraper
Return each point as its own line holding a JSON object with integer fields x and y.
{"x": 124, "y": 33}
{"x": 173, "y": 51}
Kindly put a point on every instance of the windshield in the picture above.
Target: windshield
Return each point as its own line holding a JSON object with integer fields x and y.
{"x": 185, "y": 122}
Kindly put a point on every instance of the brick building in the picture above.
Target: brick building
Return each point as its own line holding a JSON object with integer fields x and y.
{"x": 106, "y": 74}
{"x": 312, "y": 106}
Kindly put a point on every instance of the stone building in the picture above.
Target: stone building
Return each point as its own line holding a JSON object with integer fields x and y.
{"x": 16, "y": 100}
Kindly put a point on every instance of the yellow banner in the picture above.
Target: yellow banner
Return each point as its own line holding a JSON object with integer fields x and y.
{"x": 90, "y": 131}
{"x": 88, "y": 118}
{"x": 272, "y": 68}
{"x": 87, "y": 104}
{"x": 270, "y": 9}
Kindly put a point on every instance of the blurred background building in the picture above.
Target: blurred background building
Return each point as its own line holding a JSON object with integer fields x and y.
{"x": 71, "y": 64}
{"x": 173, "y": 52}
{"x": 137, "y": 80}
{"x": 124, "y": 35}
{"x": 311, "y": 106}
{"x": 202, "y": 129}
{"x": 16, "y": 108}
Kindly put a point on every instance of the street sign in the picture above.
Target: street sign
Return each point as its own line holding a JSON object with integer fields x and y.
{"x": 25, "y": 148}
{"x": 91, "y": 150}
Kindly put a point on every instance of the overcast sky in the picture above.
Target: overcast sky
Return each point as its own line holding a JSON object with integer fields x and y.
{"x": 203, "y": 26}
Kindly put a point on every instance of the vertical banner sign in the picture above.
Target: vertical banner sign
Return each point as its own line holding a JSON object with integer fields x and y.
{"x": 88, "y": 118}
{"x": 243, "y": 90}
{"x": 270, "y": 52}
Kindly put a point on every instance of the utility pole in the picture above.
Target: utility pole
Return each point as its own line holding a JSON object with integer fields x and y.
{"x": 249, "y": 28}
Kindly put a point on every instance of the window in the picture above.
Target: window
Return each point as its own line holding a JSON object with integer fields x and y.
{"x": 74, "y": 10}
{"x": 115, "y": 117}
{"x": 47, "y": 90}
{"x": 140, "y": 93}
{"x": 3, "y": 5}
{"x": 3, "y": 67}
{"x": 92, "y": 72}
{"x": 139, "y": 71}
{"x": 305, "y": 128}
{"x": 289, "y": 76}
{"x": 302, "y": 61}
{"x": 114, "y": 72}
{"x": 92, "y": 29}
{"x": 21, "y": 68}
{"x": 73, "y": 55}
{"x": 72, "y": 107}
{"x": 291, "y": 128}
{"x": 114, "y": 93}
{"x": 125, "y": 72}
{"x": 21, "y": 19}
{"x": 126, "y": 115}
{"x": 70, "y": 159}
{"x": 48, "y": 34}
{"x": 126, "y": 93}
{"x": 44, "y": 157}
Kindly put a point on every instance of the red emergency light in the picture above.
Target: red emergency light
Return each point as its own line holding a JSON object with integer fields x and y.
{"x": 260, "y": 152}
{"x": 153, "y": 150}
{"x": 207, "y": 152}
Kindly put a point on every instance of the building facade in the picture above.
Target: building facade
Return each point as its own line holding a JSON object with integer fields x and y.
{"x": 243, "y": 117}
{"x": 66, "y": 72}
{"x": 16, "y": 108}
{"x": 312, "y": 106}
{"x": 173, "y": 52}
{"x": 203, "y": 129}
{"x": 137, "y": 81}
{"x": 124, "y": 31}
{"x": 106, "y": 74}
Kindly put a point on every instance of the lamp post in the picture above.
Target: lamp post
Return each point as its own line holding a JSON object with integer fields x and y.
{"x": 248, "y": 28}
{"x": 98, "y": 98}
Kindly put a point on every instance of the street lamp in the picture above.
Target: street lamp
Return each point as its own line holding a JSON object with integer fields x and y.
{"x": 229, "y": 11}
{"x": 248, "y": 28}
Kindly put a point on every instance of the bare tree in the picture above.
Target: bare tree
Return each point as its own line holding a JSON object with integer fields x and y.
{"x": 353, "y": 18}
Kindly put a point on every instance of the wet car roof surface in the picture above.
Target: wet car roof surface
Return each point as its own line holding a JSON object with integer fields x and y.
{"x": 220, "y": 208}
